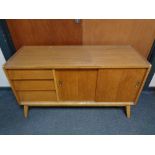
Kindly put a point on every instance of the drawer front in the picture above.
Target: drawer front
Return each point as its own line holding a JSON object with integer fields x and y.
{"x": 34, "y": 85}
{"x": 37, "y": 95}
{"x": 30, "y": 74}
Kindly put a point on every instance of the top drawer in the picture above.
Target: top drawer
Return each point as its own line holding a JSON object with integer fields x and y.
{"x": 30, "y": 74}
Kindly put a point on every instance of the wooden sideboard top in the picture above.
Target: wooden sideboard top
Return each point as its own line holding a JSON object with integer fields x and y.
{"x": 31, "y": 57}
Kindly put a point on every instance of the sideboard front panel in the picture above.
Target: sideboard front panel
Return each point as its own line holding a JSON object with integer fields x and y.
{"x": 76, "y": 85}
{"x": 33, "y": 84}
{"x": 37, "y": 95}
{"x": 19, "y": 74}
{"x": 119, "y": 85}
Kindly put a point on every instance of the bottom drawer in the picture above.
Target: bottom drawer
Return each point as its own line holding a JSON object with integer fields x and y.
{"x": 37, "y": 95}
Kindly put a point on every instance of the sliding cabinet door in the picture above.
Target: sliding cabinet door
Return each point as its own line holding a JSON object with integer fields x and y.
{"x": 119, "y": 85}
{"x": 76, "y": 85}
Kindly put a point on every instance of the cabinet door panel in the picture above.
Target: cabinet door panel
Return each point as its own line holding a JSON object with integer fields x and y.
{"x": 121, "y": 85}
{"x": 76, "y": 85}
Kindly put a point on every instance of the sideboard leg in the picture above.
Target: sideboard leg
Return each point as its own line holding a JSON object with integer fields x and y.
{"x": 26, "y": 110}
{"x": 128, "y": 111}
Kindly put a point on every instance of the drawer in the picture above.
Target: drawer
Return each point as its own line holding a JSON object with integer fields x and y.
{"x": 34, "y": 85}
{"x": 30, "y": 74}
{"x": 37, "y": 95}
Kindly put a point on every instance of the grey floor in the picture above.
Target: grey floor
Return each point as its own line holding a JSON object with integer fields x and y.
{"x": 69, "y": 121}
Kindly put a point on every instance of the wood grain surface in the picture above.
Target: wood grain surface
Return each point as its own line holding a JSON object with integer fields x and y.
{"x": 76, "y": 85}
{"x": 119, "y": 85}
{"x": 37, "y": 95}
{"x": 138, "y": 33}
{"x": 45, "y": 32}
{"x": 51, "y": 57}
{"x": 33, "y": 84}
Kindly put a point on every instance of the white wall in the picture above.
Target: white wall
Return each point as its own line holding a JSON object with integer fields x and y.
{"x": 152, "y": 83}
{"x": 3, "y": 80}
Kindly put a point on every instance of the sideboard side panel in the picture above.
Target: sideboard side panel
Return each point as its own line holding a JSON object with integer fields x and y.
{"x": 11, "y": 84}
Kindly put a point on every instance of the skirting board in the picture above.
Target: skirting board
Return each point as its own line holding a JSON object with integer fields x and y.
{"x": 5, "y": 88}
{"x": 150, "y": 89}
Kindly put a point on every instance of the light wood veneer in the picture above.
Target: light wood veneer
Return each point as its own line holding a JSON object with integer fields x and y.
{"x": 77, "y": 76}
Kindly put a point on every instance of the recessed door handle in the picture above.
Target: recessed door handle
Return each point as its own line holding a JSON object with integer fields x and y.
{"x": 137, "y": 84}
{"x": 60, "y": 83}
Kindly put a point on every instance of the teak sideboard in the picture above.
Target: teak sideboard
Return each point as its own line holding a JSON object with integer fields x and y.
{"x": 77, "y": 76}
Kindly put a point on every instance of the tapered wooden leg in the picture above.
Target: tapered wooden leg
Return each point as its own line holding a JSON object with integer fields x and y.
{"x": 26, "y": 110}
{"x": 128, "y": 111}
